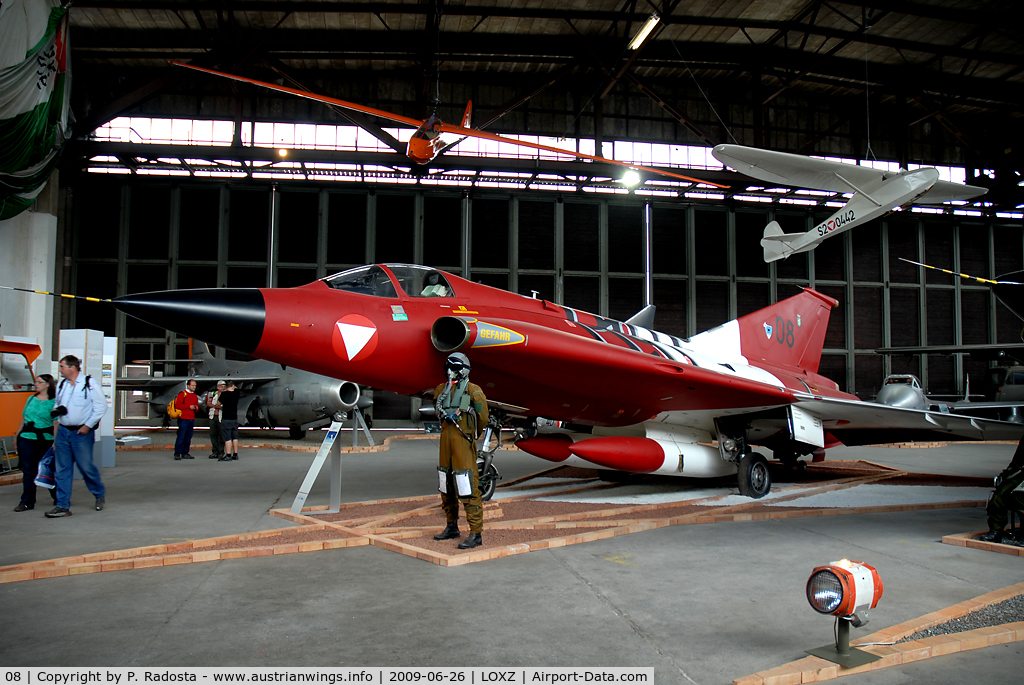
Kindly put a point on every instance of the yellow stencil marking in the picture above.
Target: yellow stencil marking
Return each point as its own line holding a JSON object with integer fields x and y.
{"x": 619, "y": 560}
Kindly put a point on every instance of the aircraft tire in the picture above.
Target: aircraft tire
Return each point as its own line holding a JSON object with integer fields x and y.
{"x": 488, "y": 482}
{"x": 755, "y": 480}
{"x": 296, "y": 433}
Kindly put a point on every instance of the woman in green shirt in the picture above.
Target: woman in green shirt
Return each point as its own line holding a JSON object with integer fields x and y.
{"x": 35, "y": 435}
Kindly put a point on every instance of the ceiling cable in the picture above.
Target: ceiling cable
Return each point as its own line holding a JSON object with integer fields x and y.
{"x": 868, "y": 153}
{"x": 706, "y": 98}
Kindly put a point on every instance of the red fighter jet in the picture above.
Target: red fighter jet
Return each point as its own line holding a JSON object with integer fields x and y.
{"x": 581, "y": 389}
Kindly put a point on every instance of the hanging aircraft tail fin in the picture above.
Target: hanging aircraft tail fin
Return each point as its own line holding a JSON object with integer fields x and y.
{"x": 790, "y": 333}
{"x": 468, "y": 115}
{"x": 776, "y": 243}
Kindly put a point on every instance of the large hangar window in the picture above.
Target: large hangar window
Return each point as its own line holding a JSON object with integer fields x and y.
{"x": 582, "y": 236}
{"x": 199, "y": 213}
{"x": 395, "y": 228}
{"x": 298, "y": 217}
{"x": 248, "y": 226}
{"x": 442, "y": 232}
{"x": 537, "y": 236}
{"x": 149, "y": 223}
{"x": 346, "y": 230}
{"x": 490, "y": 233}
{"x": 749, "y": 254}
{"x": 867, "y": 253}
{"x": 668, "y": 240}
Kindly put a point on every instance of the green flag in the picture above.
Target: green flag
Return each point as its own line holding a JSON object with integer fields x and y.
{"x": 35, "y": 86}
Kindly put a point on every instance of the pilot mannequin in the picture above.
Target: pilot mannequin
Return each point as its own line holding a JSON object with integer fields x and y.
{"x": 462, "y": 410}
{"x": 1009, "y": 494}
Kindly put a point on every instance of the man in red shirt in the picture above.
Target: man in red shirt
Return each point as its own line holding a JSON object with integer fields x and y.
{"x": 188, "y": 403}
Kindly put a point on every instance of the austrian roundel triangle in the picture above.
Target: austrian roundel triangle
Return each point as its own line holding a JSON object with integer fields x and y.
{"x": 354, "y": 337}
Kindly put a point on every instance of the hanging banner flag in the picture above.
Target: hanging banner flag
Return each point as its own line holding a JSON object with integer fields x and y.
{"x": 35, "y": 88}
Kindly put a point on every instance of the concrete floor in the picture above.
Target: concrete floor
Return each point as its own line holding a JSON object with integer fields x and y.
{"x": 698, "y": 603}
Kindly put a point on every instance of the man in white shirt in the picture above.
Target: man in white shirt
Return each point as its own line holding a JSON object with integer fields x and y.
{"x": 212, "y": 401}
{"x": 79, "y": 406}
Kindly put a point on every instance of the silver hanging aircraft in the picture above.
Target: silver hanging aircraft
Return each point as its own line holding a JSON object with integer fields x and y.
{"x": 875, "y": 192}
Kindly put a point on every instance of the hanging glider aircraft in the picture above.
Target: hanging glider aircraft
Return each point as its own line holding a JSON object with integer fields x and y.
{"x": 875, "y": 192}
{"x": 426, "y": 142}
{"x": 582, "y": 389}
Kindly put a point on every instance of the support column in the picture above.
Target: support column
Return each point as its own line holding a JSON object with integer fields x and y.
{"x": 28, "y": 257}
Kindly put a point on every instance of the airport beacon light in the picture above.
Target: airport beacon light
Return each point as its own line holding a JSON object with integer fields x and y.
{"x": 846, "y": 589}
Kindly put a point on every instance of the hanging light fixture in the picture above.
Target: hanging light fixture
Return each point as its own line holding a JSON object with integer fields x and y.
{"x": 644, "y": 31}
{"x": 631, "y": 178}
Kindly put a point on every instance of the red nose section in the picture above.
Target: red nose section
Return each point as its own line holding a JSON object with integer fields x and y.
{"x": 551, "y": 447}
{"x": 636, "y": 455}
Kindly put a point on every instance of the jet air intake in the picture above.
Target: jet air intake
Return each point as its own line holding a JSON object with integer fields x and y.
{"x": 450, "y": 334}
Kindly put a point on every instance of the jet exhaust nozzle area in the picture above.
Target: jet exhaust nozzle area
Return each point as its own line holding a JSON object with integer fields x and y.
{"x": 229, "y": 317}
{"x": 341, "y": 395}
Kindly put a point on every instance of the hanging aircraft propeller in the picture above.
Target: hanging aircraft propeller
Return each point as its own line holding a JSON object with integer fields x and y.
{"x": 426, "y": 143}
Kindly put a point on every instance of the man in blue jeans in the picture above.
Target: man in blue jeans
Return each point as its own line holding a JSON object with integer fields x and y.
{"x": 78, "y": 407}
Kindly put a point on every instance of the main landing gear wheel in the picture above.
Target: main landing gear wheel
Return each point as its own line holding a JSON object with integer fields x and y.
{"x": 488, "y": 481}
{"x": 755, "y": 480}
{"x": 296, "y": 433}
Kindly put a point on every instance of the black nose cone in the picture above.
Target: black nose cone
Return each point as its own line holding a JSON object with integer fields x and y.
{"x": 230, "y": 317}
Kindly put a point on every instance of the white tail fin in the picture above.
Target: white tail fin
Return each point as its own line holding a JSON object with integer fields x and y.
{"x": 468, "y": 115}
{"x": 776, "y": 243}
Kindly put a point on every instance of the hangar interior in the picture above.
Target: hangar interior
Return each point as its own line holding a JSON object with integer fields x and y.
{"x": 176, "y": 179}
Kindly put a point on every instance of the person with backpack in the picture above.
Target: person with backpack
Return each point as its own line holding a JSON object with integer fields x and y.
{"x": 187, "y": 403}
{"x": 79, "y": 406}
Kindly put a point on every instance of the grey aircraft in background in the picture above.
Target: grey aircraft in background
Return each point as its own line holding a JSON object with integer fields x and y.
{"x": 273, "y": 395}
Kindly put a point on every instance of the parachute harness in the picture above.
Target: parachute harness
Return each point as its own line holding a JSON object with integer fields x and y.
{"x": 454, "y": 401}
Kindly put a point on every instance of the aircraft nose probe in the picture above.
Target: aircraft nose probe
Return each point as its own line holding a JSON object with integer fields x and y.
{"x": 229, "y": 317}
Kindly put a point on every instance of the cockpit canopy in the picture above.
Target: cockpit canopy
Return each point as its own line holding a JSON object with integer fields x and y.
{"x": 414, "y": 281}
{"x": 902, "y": 379}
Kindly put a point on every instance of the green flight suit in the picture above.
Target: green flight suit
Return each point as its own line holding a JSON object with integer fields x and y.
{"x": 459, "y": 454}
{"x": 1006, "y": 496}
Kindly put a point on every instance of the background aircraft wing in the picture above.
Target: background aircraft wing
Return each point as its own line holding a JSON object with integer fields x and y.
{"x": 476, "y": 133}
{"x": 945, "y": 191}
{"x": 344, "y": 104}
{"x": 987, "y": 352}
{"x": 795, "y": 170}
{"x": 444, "y": 128}
{"x": 202, "y": 382}
{"x": 867, "y": 423}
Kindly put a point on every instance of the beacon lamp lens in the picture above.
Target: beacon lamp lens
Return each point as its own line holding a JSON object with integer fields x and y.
{"x": 824, "y": 591}
{"x": 631, "y": 177}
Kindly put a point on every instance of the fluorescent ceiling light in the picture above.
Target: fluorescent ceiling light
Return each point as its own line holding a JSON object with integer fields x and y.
{"x": 644, "y": 31}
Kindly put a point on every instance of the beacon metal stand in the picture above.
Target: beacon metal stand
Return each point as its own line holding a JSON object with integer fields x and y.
{"x": 330, "y": 446}
{"x": 841, "y": 652}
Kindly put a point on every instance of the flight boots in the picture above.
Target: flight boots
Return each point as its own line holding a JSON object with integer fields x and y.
{"x": 450, "y": 531}
{"x": 474, "y": 540}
